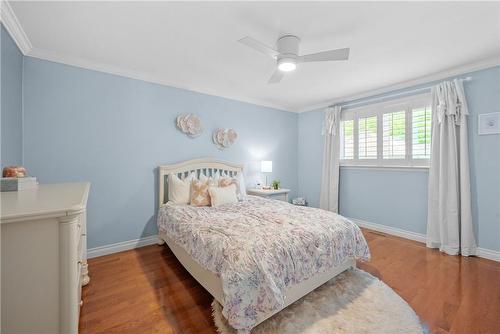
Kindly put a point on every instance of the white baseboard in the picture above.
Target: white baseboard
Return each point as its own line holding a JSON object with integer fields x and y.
{"x": 390, "y": 230}
{"x": 121, "y": 246}
{"x": 481, "y": 252}
{"x": 488, "y": 254}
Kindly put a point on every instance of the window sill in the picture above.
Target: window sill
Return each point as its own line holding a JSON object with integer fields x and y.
{"x": 395, "y": 167}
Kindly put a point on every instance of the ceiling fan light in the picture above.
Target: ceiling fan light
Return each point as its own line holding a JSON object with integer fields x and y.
{"x": 287, "y": 65}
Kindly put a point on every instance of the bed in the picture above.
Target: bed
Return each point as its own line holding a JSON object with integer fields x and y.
{"x": 257, "y": 256}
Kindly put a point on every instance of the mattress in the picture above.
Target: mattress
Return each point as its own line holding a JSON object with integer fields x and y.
{"x": 258, "y": 247}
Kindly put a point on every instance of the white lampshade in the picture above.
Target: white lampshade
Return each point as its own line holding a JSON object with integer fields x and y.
{"x": 266, "y": 166}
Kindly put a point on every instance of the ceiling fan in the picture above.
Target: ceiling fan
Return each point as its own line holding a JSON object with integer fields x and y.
{"x": 287, "y": 54}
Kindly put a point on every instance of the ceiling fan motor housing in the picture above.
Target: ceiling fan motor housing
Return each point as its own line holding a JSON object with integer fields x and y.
{"x": 288, "y": 47}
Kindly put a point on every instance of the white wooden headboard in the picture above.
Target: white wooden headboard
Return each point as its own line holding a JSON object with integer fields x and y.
{"x": 207, "y": 166}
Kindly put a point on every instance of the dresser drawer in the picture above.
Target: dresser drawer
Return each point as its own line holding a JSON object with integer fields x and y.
{"x": 279, "y": 197}
{"x": 79, "y": 249}
{"x": 79, "y": 238}
{"x": 276, "y": 194}
{"x": 79, "y": 278}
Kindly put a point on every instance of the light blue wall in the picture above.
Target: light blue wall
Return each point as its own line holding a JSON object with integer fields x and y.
{"x": 11, "y": 101}
{"x": 399, "y": 198}
{"x": 114, "y": 131}
{"x": 388, "y": 197}
{"x": 310, "y": 155}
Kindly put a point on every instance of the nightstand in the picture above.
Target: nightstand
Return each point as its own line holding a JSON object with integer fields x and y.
{"x": 280, "y": 194}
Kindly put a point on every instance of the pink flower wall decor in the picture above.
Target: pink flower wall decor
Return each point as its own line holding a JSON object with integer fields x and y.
{"x": 224, "y": 138}
{"x": 189, "y": 124}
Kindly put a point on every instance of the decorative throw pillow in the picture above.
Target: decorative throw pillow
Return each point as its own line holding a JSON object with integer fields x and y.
{"x": 179, "y": 190}
{"x": 223, "y": 195}
{"x": 199, "y": 192}
{"x": 225, "y": 181}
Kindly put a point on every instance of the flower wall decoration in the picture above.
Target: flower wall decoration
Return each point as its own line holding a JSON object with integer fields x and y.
{"x": 224, "y": 138}
{"x": 189, "y": 124}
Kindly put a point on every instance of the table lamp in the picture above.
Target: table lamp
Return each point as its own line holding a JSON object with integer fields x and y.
{"x": 266, "y": 166}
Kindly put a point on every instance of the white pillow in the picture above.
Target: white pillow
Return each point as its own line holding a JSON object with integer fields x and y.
{"x": 223, "y": 195}
{"x": 179, "y": 190}
{"x": 241, "y": 191}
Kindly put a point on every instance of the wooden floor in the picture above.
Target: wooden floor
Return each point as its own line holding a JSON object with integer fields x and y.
{"x": 148, "y": 291}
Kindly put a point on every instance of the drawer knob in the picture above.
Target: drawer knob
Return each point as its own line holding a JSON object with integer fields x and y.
{"x": 81, "y": 303}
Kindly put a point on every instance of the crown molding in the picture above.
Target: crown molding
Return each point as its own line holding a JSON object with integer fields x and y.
{"x": 451, "y": 72}
{"x": 16, "y": 31}
{"x": 138, "y": 75}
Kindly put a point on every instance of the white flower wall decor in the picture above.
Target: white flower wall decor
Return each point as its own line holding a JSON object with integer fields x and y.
{"x": 189, "y": 124}
{"x": 224, "y": 138}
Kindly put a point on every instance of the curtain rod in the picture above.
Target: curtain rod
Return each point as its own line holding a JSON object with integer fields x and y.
{"x": 408, "y": 92}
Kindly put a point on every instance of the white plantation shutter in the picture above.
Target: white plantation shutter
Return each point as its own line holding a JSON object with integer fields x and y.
{"x": 394, "y": 135}
{"x": 367, "y": 138}
{"x": 347, "y": 140}
{"x": 421, "y": 132}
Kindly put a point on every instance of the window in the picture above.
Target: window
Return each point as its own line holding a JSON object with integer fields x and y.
{"x": 394, "y": 133}
{"x": 421, "y": 133}
{"x": 347, "y": 133}
{"x": 367, "y": 142}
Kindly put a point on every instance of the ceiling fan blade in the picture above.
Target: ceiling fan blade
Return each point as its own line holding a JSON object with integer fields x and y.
{"x": 338, "y": 54}
{"x": 276, "y": 77}
{"x": 258, "y": 46}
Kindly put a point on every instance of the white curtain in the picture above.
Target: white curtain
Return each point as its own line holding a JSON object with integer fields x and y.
{"x": 449, "y": 217}
{"x": 329, "y": 198}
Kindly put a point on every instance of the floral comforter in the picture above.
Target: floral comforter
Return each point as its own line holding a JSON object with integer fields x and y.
{"x": 258, "y": 247}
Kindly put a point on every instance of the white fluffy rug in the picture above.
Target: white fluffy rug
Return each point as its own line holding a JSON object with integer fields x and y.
{"x": 353, "y": 302}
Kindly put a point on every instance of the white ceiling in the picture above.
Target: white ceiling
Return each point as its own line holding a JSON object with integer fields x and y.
{"x": 194, "y": 45}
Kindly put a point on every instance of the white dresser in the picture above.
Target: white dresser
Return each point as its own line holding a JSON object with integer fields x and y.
{"x": 44, "y": 263}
